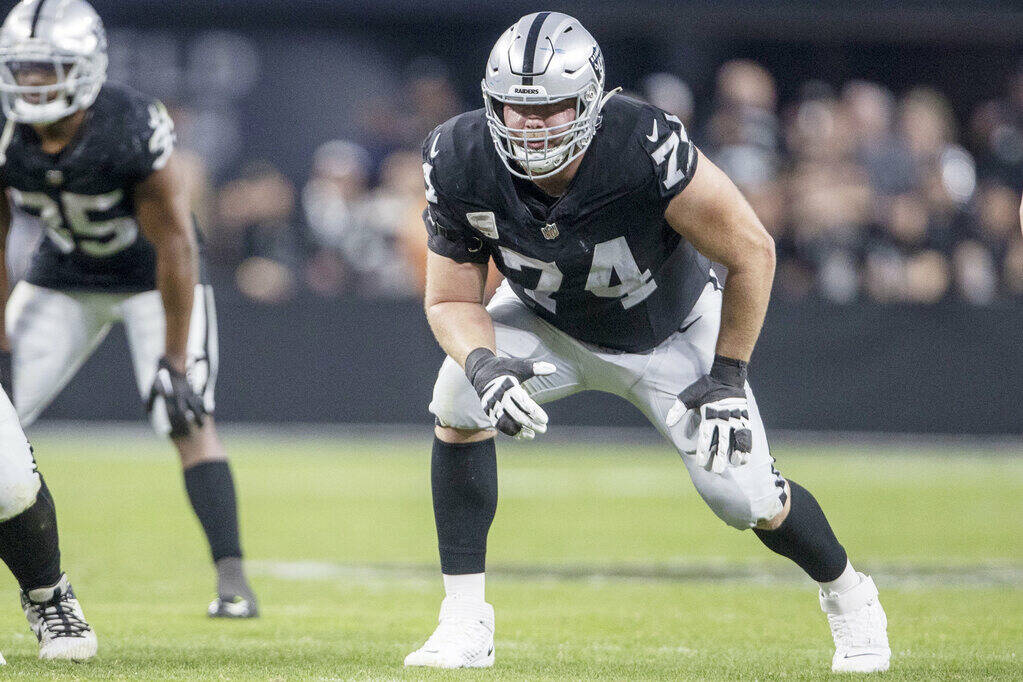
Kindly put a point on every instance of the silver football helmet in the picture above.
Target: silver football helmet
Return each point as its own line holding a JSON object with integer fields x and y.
{"x": 53, "y": 59}
{"x": 545, "y": 57}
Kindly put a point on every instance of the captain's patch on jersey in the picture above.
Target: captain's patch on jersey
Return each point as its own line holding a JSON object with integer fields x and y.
{"x": 483, "y": 221}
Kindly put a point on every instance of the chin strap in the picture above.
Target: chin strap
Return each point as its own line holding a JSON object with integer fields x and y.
{"x": 607, "y": 96}
{"x": 5, "y": 140}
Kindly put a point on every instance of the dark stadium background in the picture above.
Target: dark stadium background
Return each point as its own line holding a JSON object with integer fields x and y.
{"x": 259, "y": 85}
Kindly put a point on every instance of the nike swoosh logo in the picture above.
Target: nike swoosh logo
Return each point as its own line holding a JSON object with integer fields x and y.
{"x": 684, "y": 329}
{"x": 433, "y": 147}
{"x": 653, "y": 136}
{"x": 859, "y": 655}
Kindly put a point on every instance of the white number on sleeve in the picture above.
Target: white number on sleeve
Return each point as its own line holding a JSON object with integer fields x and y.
{"x": 669, "y": 150}
{"x": 431, "y": 193}
{"x": 550, "y": 276}
{"x": 615, "y": 257}
{"x": 161, "y": 142}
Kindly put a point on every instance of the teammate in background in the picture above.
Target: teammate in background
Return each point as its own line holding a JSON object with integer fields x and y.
{"x": 30, "y": 547}
{"x": 604, "y": 218}
{"x": 95, "y": 163}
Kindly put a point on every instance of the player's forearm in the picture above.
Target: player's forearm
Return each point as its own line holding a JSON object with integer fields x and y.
{"x": 744, "y": 304}
{"x": 461, "y": 327}
{"x": 177, "y": 273}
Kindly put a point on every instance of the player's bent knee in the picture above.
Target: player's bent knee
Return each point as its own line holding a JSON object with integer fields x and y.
{"x": 774, "y": 522}
{"x": 456, "y": 405}
{"x": 746, "y": 503}
{"x": 452, "y": 435}
{"x": 18, "y": 494}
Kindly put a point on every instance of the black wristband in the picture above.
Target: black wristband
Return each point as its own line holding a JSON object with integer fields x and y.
{"x": 473, "y": 359}
{"x": 729, "y": 371}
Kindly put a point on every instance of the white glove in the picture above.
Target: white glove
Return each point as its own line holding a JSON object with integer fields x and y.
{"x": 719, "y": 403}
{"x": 498, "y": 381}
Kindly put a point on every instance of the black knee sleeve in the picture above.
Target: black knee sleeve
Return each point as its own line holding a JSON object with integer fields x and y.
{"x": 29, "y": 544}
{"x": 464, "y": 478}
{"x": 806, "y": 537}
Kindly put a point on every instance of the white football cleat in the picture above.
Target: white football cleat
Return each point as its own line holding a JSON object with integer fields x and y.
{"x": 56, "y": 618}
{"x": 232, "y": 607}
{"x": 859, "y": 628}
{"x": 464, "y": 637}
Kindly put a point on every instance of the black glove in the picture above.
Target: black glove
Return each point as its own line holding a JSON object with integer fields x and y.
{"x": 498, "y": 381}
{"x": 720, "y": 398}
{"x": 184, "y": 407}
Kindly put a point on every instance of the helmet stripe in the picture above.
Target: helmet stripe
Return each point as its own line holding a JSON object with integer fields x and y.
{"x": 35, "y": 17}
{"x": 529, "y": 53}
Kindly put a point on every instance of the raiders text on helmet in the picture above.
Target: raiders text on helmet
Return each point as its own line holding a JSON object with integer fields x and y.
{"x": 53, "y": 59}
{"x": 545, "y": 57}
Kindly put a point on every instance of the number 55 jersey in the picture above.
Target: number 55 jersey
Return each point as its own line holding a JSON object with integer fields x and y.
{"x": 84, "y": 194}
{"x": 599, "y": 262}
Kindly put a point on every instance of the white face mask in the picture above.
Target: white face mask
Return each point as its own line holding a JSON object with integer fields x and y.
{"x": 535, "y": 163}
{"x": 78, "y": 81}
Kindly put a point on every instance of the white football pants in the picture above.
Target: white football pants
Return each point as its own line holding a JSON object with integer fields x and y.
{"x": 741, "y": 496}
{"x": 19, "y": 481}
{"x": 53, "y": 333}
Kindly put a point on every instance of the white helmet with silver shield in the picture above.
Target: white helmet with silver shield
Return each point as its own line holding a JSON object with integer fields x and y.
{"x": 53, "y": 59}
{"x": 544, "y": 58}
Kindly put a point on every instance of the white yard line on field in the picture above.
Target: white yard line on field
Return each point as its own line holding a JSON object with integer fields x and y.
{"x": 895, "y": 575}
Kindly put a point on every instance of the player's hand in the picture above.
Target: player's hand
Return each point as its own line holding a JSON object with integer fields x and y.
{"x": 719, "y": 400}
{"x": 498, "y": 381}
{"x": 185, "y": 408}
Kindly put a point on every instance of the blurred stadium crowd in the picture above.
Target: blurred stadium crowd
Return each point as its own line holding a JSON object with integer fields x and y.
{"x": 870, "y": 195}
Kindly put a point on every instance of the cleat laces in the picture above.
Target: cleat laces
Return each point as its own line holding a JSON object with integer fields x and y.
{"x": 58, "y": 617}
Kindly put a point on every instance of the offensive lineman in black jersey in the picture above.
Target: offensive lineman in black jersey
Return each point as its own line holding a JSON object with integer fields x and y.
{"x": 603, "y": 217}
{"x": 95, "y": 163}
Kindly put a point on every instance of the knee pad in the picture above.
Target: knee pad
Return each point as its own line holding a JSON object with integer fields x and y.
{"x": 742, "y": 497}
{"x": 455, "y": 403}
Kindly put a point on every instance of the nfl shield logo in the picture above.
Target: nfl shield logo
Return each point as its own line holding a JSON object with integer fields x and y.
{"x": 550, "y": 231}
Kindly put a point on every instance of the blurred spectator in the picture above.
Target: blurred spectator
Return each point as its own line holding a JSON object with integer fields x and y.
{"x": 742, "y": 133}
{"x": 831, "y": 200}
{"x": 356, "y": 232}
{"x": 669, "y": 92}
{"x": 871, "y": 113}
{"x": 429, "y": 99}
{"x": 254, "y": 230}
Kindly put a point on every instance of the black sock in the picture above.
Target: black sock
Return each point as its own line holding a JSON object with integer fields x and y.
{"x": 464, "y": 477}
{"x": 806, "y": 537}
{"x": 29, "y": 544}
{"x": 211, "y": 490}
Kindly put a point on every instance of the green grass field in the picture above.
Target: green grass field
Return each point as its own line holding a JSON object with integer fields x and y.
{"x": 604, "y": 564}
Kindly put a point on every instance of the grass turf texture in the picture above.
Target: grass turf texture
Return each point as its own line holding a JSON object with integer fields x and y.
{"x": 605, "y": 564}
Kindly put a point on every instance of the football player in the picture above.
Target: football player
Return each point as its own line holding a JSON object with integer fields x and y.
{"x": 29, "y": 545}
{"x": 604, "y": 218}
{"x": 95, "y": 163}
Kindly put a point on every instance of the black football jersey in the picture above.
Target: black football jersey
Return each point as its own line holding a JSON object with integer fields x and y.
{"x": 84, "y": 194}
{"x": 600, "y": 262}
